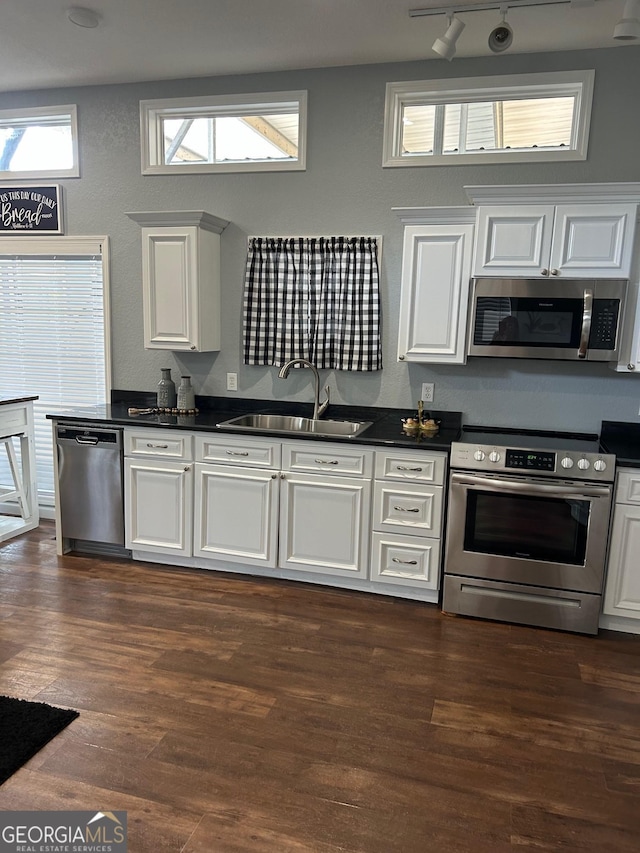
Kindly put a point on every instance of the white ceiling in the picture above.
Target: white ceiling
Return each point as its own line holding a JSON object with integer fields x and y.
{"x": 164, "y": 39}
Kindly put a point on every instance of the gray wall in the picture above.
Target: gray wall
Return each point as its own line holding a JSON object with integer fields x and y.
{"x": 343, "y": 190}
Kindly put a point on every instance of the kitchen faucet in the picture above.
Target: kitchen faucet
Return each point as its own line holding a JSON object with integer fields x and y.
{"x": 318, "y": 408}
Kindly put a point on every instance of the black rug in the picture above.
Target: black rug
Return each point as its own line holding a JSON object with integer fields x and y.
{"x": 25, "y": 727}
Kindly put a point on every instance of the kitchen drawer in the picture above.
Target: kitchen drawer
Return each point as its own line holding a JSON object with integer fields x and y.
{"x": 409, "y": 508}
{"x": 628, "y": 486}
{"x": 419, "y": 467}
{"x": 163, "y": 444}
{"x": 405, "y": 560}
{"x": 239, "y": 450}
{"x": 326, "y": 458}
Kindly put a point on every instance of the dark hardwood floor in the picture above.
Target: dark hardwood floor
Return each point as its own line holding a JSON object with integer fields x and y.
{"x": 229, "y": 714}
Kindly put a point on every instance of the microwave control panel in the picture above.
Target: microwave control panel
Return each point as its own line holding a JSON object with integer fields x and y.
{"x": 604, "y": 324}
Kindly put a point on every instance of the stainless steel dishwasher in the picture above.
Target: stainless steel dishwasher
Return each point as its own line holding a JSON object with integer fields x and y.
{"x": 90, "y": 481}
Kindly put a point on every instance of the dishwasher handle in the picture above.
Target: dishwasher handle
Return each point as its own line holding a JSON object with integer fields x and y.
{"x": 89, "y": 436}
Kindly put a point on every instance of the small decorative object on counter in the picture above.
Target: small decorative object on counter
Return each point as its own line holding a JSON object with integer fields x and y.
{"x": 186, "y": 396}
{"x": 166, "y": 390}
{"x": 420, "y": 424}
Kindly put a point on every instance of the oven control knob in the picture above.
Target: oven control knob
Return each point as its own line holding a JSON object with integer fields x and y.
{"x": 599, "y": 465}
{"x": 567, "y": 462}
{"x": 583, "y": 464}
{"x": 494, "y": 456}
{"x": 479, "y": 455}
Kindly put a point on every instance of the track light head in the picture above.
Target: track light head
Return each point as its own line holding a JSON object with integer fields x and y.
{"x": 628, "y": 27}
{"x": 446, "y": 46}
{"x": 501, "y": 37}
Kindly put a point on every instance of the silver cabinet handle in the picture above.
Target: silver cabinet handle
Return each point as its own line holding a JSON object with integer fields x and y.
{"x": 407, "y": 509}
{"x": 274, "y": 476}
{"x": 158, "y": 446}
{"x": 555, "y": 272}
{"x": 544, "y": 272}
{"x": 404, "y": 562}
{"x": 327, "y": 461}
{"x": 187, "y": 467}
{"x": 237, "y": 452}
{"x": 407, "y": 468}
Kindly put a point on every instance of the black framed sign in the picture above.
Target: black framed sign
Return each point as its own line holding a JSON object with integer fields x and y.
{"x": 31, "y": 210}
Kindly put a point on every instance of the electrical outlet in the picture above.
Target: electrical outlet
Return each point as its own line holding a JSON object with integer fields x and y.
{"x": 427, "y": 392}
{"x": 232, "y": 381}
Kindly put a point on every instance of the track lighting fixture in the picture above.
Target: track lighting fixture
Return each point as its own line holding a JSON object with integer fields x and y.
{"x": 628, "y": 27}
{"x": 502, "y": 36}
{"x": 446, "y": 46}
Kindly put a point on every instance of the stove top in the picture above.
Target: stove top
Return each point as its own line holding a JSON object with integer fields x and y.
{"x": 566, "y": 456}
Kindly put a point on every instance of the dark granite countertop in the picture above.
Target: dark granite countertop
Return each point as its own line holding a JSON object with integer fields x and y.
{"x": 386, "y": 428}
{"x": 622, "y": 439}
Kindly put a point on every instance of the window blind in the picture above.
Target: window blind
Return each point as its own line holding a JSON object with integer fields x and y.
{"x": 52, "y": 342}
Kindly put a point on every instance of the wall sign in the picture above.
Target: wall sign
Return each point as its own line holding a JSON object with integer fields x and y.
{"x": 31, "y": 210}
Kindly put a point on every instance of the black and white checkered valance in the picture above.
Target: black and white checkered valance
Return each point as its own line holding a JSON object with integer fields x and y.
{"x": 313, "y": 297}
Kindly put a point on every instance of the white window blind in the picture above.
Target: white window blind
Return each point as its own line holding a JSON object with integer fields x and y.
{"x": 52, "y": 340}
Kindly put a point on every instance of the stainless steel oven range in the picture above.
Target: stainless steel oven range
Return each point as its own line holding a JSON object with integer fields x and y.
{"x": 527, "y": 528}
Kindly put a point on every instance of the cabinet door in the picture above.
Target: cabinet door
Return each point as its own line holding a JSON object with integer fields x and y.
{"x": 622, "y": 587}
{"x": 236, "y": 515}
{"x": 513, "y": 241}
{"x": 159, "y": 506}
{"x": 593, "y": 241}
{"x": 436, "y": 266}
{"x": 324, "y": 524}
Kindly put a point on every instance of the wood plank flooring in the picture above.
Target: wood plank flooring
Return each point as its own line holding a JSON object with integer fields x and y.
{"x": 230, "y": 714}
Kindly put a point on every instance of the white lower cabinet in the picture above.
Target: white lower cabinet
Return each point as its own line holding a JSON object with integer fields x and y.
{"x": 324, "y": 524}
{"x": 287, "y": 507}
{"x": 236, "y": 514}
{"x": 622, "y": 586}
{"x": 159, "y": 506}
{"x": 408, "y": 518}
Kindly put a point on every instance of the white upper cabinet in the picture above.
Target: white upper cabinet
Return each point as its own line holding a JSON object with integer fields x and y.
{"x": 564, "y": 240}
{"x": 436, "y": 269}
{"x": 181, "y": 279}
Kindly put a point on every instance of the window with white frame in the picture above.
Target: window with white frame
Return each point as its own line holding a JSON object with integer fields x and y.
{"x": 521, "y": 118}
{"x": 54, "y": 338}
{"x": 40, "y": 142}
{"x": 229, "y": 133}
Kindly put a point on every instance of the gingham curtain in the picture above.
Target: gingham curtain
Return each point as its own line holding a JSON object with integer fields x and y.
{"x": 315, "y": 298}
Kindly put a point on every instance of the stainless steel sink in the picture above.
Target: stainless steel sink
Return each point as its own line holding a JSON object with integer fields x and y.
{"x": 292, "y": 425}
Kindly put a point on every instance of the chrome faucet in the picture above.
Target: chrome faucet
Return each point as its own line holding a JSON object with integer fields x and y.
{"x": 318, "y": 408}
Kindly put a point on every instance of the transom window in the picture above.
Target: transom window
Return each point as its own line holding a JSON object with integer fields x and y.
{"x": 40, "y": 142}
{"x": 527, "y": 117}
{"x": 237, "y": 133}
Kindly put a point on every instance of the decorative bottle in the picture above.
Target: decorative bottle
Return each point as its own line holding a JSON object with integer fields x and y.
{"x": 166, "y": 390}
{"x": 186, "y": 396}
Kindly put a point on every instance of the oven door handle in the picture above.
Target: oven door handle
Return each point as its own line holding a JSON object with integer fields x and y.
{"x": 544, "y": 489}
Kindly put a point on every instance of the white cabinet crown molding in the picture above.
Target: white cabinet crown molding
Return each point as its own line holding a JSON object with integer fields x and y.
{"x": 435, "y": 215}
{"x": 553, "y": 193}
{"x": 162, "y": 218}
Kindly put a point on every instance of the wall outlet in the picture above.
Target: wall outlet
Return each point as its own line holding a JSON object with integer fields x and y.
{"x": 427, "y": 392}
{"x": 232, "y": 381}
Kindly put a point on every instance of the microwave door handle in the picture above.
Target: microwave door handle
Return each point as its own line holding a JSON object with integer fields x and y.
{"x": 587, "y": 307}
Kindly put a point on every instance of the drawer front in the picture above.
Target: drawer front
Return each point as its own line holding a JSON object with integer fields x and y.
{"x": 325, "y": 458}
{"x": 405, "y": 560}
{"x": 157, "y": 443}
{"x": 628, "y": 486}
{"x": 238, "y": 451}
{"x": 409, "y": 509}
{"x": 414, "y": 467}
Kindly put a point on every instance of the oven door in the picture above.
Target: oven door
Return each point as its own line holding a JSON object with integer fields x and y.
{"x": 528, "y": 530}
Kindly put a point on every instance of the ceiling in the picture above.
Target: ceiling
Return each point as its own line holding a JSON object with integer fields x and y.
{"x": 140, "y": 40}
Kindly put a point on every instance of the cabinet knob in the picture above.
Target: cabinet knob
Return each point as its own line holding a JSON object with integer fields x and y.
{"x": 631, "y": 367}
{"x": 192, "y": 347}
{"x": 555, "y": 272}
{"x": 274, "y": 476}
{"x": 544, "y": 272}
{"x": 282, "y": 476}
{"x": 187, "y": 467}
{"x": 400, "y": 358}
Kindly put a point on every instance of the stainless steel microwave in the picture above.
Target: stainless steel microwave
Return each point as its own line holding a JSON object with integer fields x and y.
{"x": 542, "y": 318}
